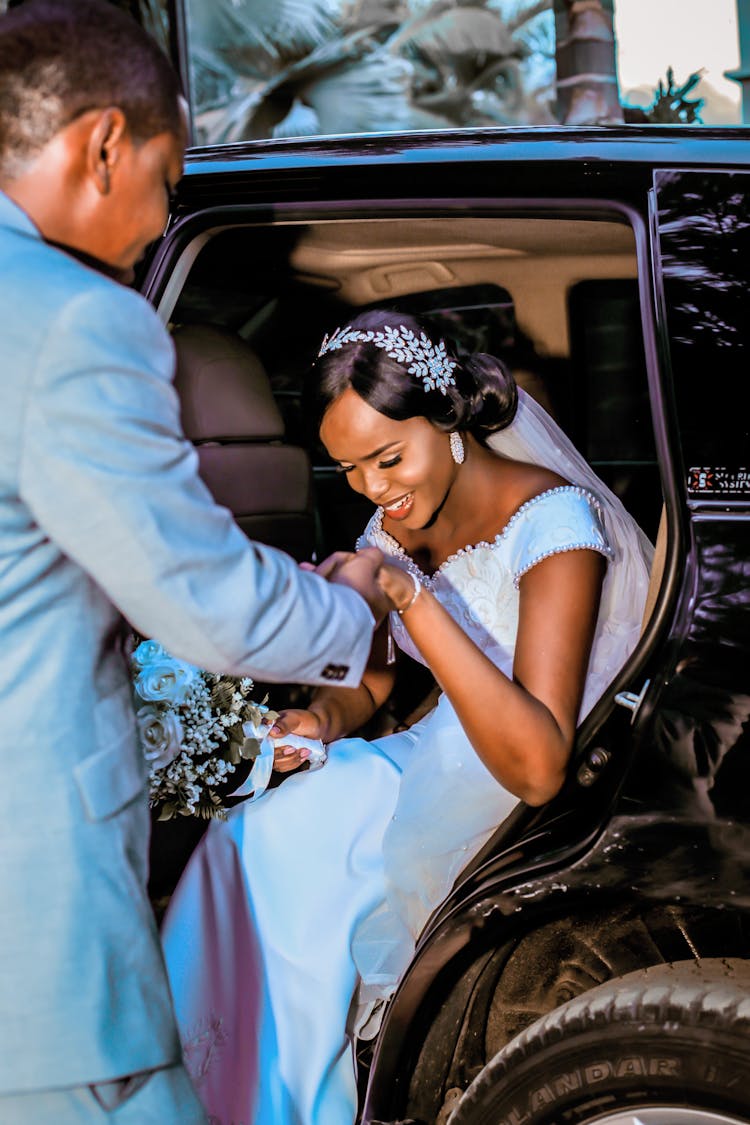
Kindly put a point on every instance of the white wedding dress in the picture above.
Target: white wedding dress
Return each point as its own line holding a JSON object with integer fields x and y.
{"x": 300, "y": 912}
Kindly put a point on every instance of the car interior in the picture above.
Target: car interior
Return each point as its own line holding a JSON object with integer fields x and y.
{"x": 556, "y": 297}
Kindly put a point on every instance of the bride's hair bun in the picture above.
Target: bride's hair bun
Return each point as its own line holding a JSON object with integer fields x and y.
{"x": 489, "y": 394}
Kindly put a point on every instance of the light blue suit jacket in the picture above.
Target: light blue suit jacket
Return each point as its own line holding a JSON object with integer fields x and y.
{"x": 102, "y": 514}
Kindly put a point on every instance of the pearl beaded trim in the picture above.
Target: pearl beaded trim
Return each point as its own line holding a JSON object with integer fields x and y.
{"x": 561, "y": 550}
{"x": 397, "y": 551}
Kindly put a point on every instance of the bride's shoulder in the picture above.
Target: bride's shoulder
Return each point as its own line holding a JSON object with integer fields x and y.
{"x": 521, "y": 482}
{"x": 537, "y": 503}
{"x": 554, "y": 518}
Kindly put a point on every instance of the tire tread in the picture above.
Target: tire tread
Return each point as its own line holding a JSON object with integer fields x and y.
{"x": 711, "y": 993}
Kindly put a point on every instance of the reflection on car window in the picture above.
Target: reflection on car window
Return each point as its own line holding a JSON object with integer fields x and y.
{"x": 279, "y": 68}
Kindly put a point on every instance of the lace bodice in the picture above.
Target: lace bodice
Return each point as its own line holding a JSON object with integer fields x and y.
{"x": 478, "y": 585}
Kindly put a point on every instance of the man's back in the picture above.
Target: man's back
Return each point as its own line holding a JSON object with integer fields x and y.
{"x": 71, "y": 768}
{"x": 40, "y": 587}
{"x": 103, "y": 515}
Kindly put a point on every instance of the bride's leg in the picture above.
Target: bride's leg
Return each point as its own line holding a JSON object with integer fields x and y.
{"x": 257, "y": 941}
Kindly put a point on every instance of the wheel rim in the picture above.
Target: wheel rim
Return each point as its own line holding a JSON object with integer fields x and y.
{"x": 666, "y": 1116}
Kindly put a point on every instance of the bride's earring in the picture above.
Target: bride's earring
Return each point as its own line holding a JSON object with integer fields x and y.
{"x": 458, "y": 453}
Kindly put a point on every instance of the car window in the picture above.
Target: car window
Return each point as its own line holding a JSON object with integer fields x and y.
{"x": 549, "y": 295}
{"x": 610, "y": 418}
{"x": 556, "y": 299}
{"x": 703, "y": 225}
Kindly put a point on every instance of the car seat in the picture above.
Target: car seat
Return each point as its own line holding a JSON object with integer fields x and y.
{"x": 229, "y": 413}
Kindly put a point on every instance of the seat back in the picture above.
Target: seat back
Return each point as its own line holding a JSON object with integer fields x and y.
{"x": 229, "y": 413}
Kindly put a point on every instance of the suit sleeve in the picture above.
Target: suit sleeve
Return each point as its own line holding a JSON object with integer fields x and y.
{"x": 110, "y": 478}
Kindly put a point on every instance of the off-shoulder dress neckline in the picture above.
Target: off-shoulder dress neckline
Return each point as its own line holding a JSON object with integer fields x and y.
{"x": 396, "y": 550}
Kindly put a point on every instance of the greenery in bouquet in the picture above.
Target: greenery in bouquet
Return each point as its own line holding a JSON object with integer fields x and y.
{"x": 195, "y": 727}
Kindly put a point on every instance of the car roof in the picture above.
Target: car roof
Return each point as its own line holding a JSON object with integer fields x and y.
{"x": 651, "y": 146}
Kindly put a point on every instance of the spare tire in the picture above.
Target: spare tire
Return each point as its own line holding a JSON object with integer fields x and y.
{"x": 667, "y": 1039}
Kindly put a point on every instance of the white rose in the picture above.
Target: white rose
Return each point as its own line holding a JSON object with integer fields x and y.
{"x": 165, "y": 681}
{"x": 147, "y": 652}
{"x": 161, "y": 735}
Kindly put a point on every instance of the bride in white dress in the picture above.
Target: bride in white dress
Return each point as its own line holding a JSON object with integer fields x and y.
{"x": 519, "y": 579}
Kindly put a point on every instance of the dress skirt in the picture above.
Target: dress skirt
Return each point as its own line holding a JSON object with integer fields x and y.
{"x": 258, "y": 935}
{"x": 299, "y": 913}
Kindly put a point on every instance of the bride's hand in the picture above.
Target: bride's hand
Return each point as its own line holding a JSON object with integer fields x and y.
{"x": 305, "y": 724}
{"x": 397, "y": 584}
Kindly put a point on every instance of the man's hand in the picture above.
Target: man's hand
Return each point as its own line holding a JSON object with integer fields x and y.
{"x": 359, "y": 570}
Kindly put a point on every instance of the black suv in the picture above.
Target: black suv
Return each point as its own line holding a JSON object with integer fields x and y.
{"x": 593, "y": 962}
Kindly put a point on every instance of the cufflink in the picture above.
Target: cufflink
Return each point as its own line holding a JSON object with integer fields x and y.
{"x": 335, "y": 671}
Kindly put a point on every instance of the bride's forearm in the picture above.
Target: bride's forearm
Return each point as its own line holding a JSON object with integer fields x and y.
{"x": 342, "y": 710}
{"x": 514, "y": 733}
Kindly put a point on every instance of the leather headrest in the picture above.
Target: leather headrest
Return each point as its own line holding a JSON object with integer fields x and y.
{"x": 224, "y": 391}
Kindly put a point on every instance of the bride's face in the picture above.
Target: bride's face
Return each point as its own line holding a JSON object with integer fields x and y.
{"x": 405, "y": 467}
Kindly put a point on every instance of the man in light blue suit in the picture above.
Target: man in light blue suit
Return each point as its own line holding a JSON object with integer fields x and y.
{"x": 103, "y": 517}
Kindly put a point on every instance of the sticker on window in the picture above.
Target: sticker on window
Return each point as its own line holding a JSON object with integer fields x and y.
{"x": 718, "y": 480}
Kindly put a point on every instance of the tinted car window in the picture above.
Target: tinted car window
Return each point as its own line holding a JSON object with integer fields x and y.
{"x": 704, "y": 234}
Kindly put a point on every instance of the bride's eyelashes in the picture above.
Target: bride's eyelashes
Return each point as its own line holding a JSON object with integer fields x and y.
{"x": 390, "y": 464}
{"x": 381, "y": 464}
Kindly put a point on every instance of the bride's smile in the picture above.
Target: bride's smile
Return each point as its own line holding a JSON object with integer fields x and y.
{"x": 399, "y": 509}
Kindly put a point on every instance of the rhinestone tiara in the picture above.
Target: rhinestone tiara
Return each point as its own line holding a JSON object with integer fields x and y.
{"x": 430, "y": 362}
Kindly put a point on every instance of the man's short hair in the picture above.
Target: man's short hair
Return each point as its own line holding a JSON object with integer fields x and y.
{"x": 61, "y": 58}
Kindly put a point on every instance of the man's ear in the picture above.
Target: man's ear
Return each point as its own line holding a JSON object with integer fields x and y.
{"x": 104, "y": 144}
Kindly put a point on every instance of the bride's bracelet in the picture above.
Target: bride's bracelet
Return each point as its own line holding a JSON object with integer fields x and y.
{"x": 415, "y": 595}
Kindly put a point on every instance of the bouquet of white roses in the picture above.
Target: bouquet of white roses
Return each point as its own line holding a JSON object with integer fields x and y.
{"x": 195, "y": 728}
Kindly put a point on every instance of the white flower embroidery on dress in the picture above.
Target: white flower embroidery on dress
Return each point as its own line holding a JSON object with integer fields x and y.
{"x": 491, "y": 607}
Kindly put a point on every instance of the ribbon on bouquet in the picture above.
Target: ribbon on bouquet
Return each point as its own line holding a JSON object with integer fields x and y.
{"x": 257, "y": 780}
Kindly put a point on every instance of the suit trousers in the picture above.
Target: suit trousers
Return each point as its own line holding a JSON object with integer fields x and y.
{"x": 157, "y": 1097}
